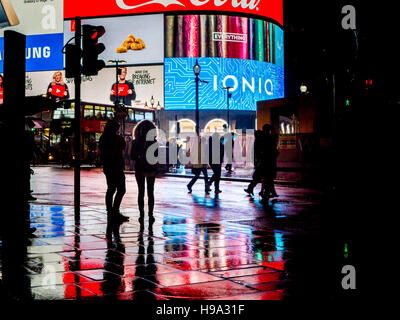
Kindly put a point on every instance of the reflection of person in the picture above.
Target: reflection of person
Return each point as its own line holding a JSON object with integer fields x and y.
{"x": 57, "y": 89}
{"x": 1, "y": 89}
{"x": 126, "y": 89}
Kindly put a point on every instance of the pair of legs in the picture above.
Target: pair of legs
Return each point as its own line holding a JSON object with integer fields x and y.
{"x": 216, "y": 177}
{"x": 141, "y": 181}
{"x": 268, "y": 188}
{"x": 196, "y": 172}
{"x": 257, "y": 178}
{"x": 115, "y": 185}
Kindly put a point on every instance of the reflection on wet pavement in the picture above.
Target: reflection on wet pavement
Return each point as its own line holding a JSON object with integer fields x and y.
{"x": 177, "y": 259}
{"x": 198, "y": 248}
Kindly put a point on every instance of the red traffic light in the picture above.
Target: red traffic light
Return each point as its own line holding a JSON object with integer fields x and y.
{"x": 93, "y": 32}
{"x": 91, "y": 49}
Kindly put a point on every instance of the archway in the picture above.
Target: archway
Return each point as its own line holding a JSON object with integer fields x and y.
{"x": 215, "y": 125}
{"x": 185, "y": 125}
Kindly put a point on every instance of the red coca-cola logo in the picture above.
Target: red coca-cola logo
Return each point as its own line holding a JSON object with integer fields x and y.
{"x": 272, "y": 9}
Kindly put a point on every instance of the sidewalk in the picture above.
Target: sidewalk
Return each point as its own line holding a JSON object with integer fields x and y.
{"x": 285, "y": 176}
{"x": 288, "y": 173}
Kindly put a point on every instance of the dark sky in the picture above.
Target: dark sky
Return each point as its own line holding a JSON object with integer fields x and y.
{"x": 315, "y": 40}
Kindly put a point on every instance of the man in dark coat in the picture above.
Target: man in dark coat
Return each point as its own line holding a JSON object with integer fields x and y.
{"x": 216, "y": 157}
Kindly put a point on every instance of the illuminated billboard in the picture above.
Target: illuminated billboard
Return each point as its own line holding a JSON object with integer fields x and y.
{"x": 135, "y": 39}
{"x": 147, "y": 81}
{"x": 266, "y": 9}
{"x": 223, "y": 36}
{"x": 251, "y": 80}
{"x": 243, "y": 53}
{"x": 42, "y": 23}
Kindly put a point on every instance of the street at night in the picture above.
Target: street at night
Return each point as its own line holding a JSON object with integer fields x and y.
{"x": 194, "y": 158}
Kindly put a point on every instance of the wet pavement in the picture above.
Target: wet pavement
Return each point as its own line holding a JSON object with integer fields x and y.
{"x": 225, "y": 247}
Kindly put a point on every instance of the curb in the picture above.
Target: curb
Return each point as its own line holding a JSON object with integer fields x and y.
{"x": 234, "y": 179}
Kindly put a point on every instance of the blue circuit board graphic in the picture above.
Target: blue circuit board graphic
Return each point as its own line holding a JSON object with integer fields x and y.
{"x": 251, "y": 81}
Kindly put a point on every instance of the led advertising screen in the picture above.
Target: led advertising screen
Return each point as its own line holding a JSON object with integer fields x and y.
{"x": 42, "y": 23}
{"x": 223, "y": 37}
{"x": 251, "y": 80}
{"x": 135, "y": 39}
{"x": 270, "y": 9}
{"x": 147, "y": 82}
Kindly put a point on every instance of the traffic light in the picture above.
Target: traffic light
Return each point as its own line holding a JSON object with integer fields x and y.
{"x": 369, "y": 84}
{"x": 91, "y": 49}
{"x": 72, "y": 61}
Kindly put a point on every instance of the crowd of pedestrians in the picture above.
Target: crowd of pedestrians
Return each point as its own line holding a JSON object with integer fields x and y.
{"x": 117, "y": 153}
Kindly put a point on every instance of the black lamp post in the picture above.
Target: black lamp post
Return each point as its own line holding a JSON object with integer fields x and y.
{"x": 228, "y": 95}
{"x": 196, "y": 70}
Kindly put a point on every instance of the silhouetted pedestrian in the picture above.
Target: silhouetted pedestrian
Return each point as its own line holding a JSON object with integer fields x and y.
{"x": 269, "y": 130}
{"x": 259, "y": 168}
{"x": 111, "y": 147}
{"x": 265, "y": 154}
{"x": 173, "y": 148}
{"x": 144, "y": 171}
{"x": 216, "y": 157}
{"x": 229, "y": 138}
{"x": 198, "y": 167}
{"x": 92, "y": 150}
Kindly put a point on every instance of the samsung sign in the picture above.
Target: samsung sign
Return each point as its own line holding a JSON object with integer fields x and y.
{"x": 250, "y": 80}
{"x": 43, "y": 52}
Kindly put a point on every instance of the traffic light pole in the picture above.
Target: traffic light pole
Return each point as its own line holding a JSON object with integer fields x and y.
{"x": 77, "y": 128}
{"x": 116, "y": 95}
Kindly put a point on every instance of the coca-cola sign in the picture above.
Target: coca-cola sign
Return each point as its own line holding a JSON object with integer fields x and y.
{"x": 272, "y": 9}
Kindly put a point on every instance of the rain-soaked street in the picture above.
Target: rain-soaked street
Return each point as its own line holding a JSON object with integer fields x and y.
{"x": 224, "y": 247}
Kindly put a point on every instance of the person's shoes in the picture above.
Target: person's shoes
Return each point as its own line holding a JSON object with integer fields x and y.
{"x": 189, "y": 189}
{"x": 31, "y": 198}
{"x": 217, "y": 191}
{"x": 120, "y": 217}
{"x": 249, "y": 191}
{"x": 123, "y": 218}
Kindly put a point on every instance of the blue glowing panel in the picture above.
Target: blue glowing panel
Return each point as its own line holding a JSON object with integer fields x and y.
{"x": 251, "y": 81}
{"x": 43, "y": 52}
